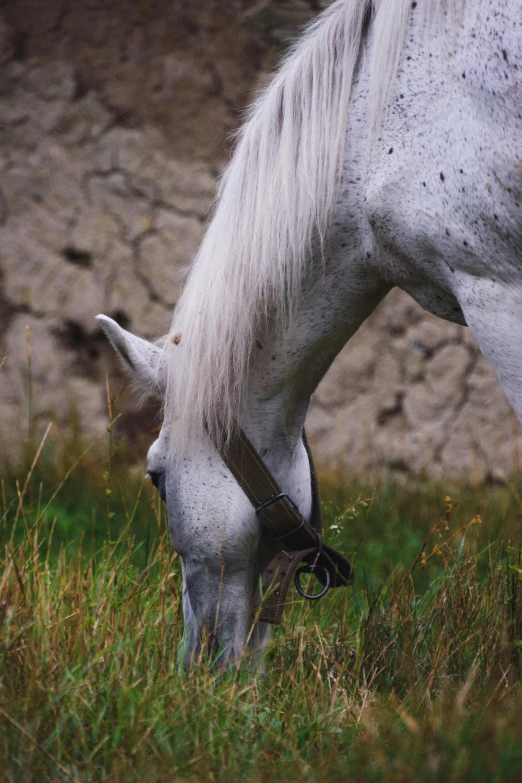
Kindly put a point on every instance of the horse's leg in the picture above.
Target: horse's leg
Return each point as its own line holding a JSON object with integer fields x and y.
{"x": 493, "y": 312}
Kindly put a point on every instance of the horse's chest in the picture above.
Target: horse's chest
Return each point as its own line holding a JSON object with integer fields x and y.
{"x": 427, "y": 278}
{"x": 437, "y": 300}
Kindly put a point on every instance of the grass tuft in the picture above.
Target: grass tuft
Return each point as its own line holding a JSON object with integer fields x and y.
{"x": 414, "y": 674}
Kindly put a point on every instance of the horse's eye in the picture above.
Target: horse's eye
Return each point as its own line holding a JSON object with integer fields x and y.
{"x": 158, "y": 479}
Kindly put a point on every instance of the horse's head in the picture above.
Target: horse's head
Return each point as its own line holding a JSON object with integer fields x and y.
{"x": 212, "y": 523}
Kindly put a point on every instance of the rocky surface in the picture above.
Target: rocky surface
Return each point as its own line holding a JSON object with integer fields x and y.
{"x": 113, "y": 130}
{"x": 96, "y": 218}
{"x": 412, "y": 394}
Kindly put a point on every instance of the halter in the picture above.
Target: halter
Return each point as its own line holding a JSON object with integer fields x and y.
{"x": 282, "y": 520}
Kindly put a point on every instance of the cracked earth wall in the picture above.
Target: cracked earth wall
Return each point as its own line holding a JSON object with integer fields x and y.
{"x": 113, "y": 129}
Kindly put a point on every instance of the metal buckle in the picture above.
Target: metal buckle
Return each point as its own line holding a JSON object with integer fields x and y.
{"x": 309, "y": 569}
{"x": 274, "y": 499}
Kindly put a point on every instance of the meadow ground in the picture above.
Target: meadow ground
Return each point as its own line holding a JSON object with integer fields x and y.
{"x": 412, "y": 674}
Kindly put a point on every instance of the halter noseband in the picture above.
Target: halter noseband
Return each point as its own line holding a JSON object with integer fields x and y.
{"x": 282, "y": 520}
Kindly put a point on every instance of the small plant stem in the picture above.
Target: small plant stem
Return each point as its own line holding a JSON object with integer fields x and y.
{"x": 30, "y": 375}
{"x": 4, "y": 503}
{"x": 410, "y": 570}
{"x": 30, "y": 473}
{"x": 18, "y": 577}
{"x": 108, "y": 474}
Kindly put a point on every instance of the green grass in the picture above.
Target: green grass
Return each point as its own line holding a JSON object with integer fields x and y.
{"x": 413, "y": 674}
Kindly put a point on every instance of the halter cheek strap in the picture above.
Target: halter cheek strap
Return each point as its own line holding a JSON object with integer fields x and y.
{"x": 302, "y": 541}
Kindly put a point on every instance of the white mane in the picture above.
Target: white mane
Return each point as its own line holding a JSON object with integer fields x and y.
{"x": 275, "y": 196}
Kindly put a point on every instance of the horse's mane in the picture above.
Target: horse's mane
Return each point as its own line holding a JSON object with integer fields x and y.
{"x": 275, "y": 196}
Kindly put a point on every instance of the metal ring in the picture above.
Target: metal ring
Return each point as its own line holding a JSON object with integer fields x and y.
{"x": 310, "y": 569}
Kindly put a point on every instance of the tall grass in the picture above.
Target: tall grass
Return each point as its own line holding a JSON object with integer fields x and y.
{"x": 411, "y": 675}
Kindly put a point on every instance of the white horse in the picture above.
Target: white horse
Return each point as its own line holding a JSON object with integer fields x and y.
{"x": 387, "y": 151}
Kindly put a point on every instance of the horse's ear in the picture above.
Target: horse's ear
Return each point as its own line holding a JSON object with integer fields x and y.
{"x": 142, "y": 360}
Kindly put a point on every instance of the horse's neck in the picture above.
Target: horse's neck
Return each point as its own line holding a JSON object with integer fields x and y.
{"x": 287, "y": 368}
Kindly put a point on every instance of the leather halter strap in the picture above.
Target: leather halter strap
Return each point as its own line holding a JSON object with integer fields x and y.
{"x": 301, "y": 540}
